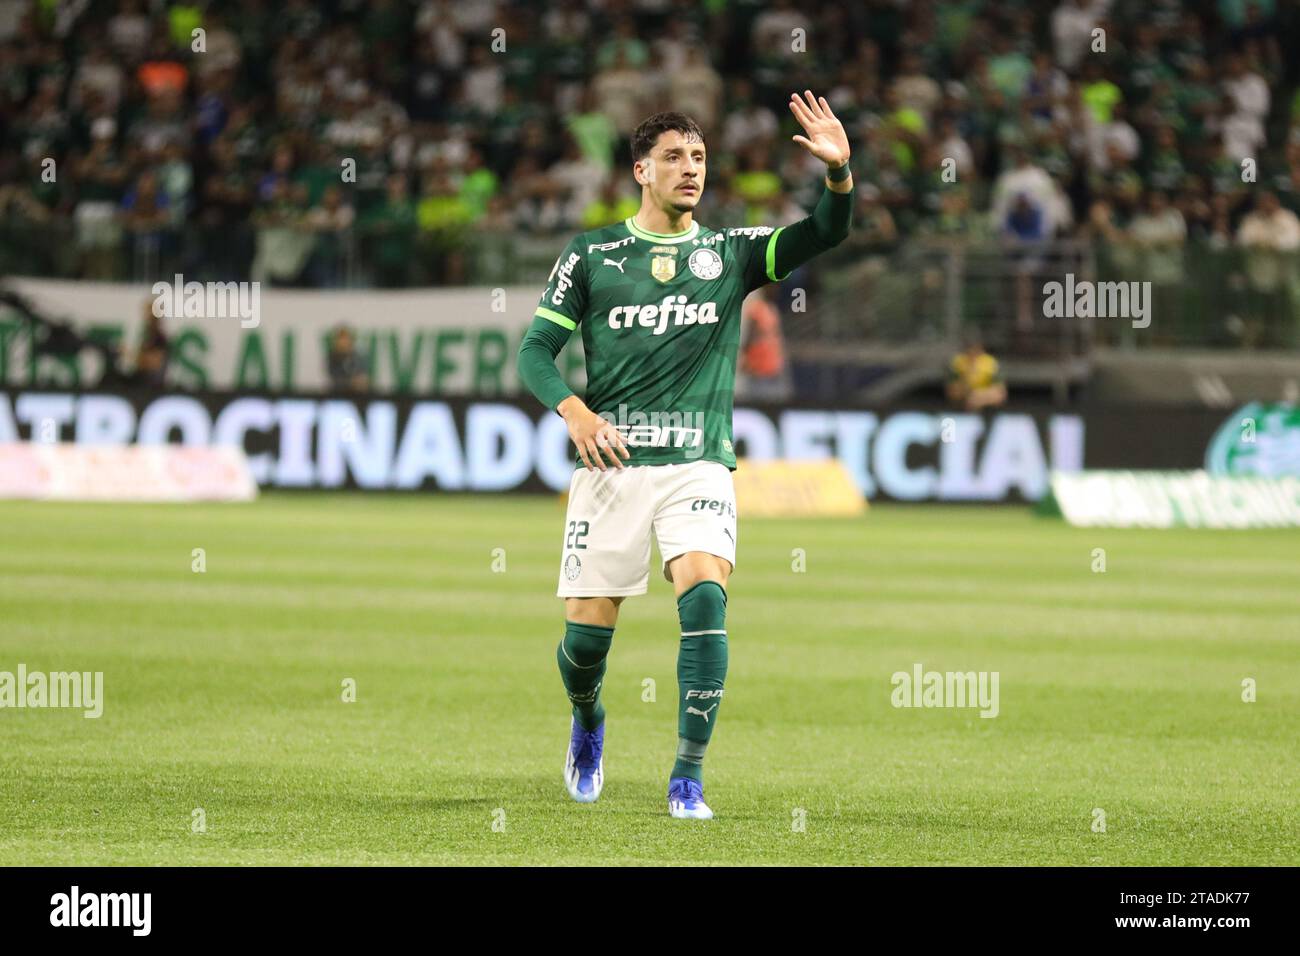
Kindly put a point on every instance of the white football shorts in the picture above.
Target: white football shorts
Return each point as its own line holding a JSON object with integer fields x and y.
{"x": 611, "y": 514}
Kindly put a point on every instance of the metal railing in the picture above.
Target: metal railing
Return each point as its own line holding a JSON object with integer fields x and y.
{"x": 887, "y": 300}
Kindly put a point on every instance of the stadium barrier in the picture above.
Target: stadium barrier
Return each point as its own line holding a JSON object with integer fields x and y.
{"x": 447, "y": 341}
{"x": 796, "y": 489}
{"x": 70, "y": 472}
{"x": 1159, "y": 499}
{"x": 461, "y": 444}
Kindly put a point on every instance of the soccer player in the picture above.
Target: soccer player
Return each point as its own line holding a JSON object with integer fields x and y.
{"x": 657, "y": 301}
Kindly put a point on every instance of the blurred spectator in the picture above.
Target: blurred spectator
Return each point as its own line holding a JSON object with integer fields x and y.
{"x": 772, "y": 41}
{"x": 221, "y": 160}
{"x": 695, "y": 88}
{"x": 1100, "y": 94}
{"x": 101, "y": 176}
{"x": 1159, "y": 234}
{"x": 162, "y": 74}
{"x": 614, "y": 204}
{"x": 390, "y": 231}
{"x": 223, "y": 50}
{"x": 748, "y": 122}
{"x": 1023, "y": 199}
{"x": 100, "y": 75}
{"x": 1242, "y": 131}
{"x": 1072, "y": 24}
{"x": 624, "y": 48}
{"x": 1270, "y": 237}
{"x": 1114, "y": 138}
{"x": 593, "y": 131}
{"x": 153, "y": 355}
{"x": 442, "y": 216}
{"x": 163, "y": 124}
{"x": 975, "y": 377}
{"x": 347, "y": 369}
{"x": 283, "y": 245}
{"x": 1160, "y": 231}
{"x": 145, "y": 213}
{"x": 129, "y": 30}
{"x": 331, "y": 221}
{"x": 764, "y": 376}
{"x": 621, "y": 91}
{"x": 913, "y": 89}
{"x": 756, "y": 182}
{"x": 576, "y": 180}
{"x": 1247, "y": 90}
{"x": 951, "y": 145}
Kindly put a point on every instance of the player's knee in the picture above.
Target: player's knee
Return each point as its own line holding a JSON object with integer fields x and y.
{"x": 702, "y": 661}
{"x": 584, "y": 645}
{"x": 693, "y": 568}
{"x": 599, "y": 611}
{"x": 703, "y": 608}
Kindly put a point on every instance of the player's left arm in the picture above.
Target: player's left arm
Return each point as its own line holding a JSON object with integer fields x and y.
{"x": 792, "y": 246}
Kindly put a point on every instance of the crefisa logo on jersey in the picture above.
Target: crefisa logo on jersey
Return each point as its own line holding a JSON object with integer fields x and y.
{"x": 565, "y": 277}
{"x": 705, "y": 264}
{"x": 673, "y": 310}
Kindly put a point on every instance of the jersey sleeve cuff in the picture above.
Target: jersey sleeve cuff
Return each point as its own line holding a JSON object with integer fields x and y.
{"x": 771, "y": 258}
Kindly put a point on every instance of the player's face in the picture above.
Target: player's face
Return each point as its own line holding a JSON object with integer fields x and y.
{"x": 674, "y": 171}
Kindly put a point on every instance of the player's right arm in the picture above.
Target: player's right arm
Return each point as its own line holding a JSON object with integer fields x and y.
{"x": 558, "y": 314}
{"x": 791, "y": 246}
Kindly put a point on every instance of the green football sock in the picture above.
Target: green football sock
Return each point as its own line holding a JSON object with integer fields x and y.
{"x": 701, "y": 671}
{"x": 581, "y": 656}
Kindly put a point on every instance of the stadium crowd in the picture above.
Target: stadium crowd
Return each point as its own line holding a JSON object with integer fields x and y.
{"x": 290, "y": 141}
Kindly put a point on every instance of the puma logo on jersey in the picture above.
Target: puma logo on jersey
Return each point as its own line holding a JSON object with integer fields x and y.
{"x": 700, "y": 713}
{"x": 618, "y": 265}
{"x": 674, "y": 309}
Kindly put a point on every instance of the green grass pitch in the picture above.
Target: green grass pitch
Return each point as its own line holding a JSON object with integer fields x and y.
{"x": 1119, "y": 691}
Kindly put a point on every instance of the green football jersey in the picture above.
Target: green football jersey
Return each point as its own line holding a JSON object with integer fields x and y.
{"x": 660, "y": 323}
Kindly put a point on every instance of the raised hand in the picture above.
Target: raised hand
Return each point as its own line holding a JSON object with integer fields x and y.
{"x": 826, "y": 138}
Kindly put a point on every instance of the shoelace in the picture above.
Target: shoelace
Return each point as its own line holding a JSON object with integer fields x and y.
{"x": 588, "y": 755}
{"x": 687, "y": 790}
